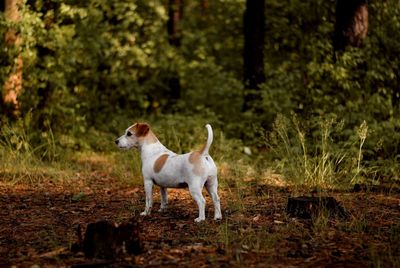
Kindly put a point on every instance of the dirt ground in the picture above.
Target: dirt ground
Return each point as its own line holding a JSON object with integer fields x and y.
{"x": 38, "y": 226}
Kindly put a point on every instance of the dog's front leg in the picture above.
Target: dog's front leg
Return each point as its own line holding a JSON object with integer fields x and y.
{"x": 164, "y": 199}
{"x": 148, "y": 189}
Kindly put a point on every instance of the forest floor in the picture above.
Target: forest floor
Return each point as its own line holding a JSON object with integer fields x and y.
{"x": 38, "y": 225}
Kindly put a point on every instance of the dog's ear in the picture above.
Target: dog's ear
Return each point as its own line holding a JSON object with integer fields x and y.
{"x": 142, "y": 129}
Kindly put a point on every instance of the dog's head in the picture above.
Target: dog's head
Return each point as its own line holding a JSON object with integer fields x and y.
{"x": 135, "y": 136}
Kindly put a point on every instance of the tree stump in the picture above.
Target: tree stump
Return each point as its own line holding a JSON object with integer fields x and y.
{"x": 108, "y": 240}
{"x": 306, "y": 207}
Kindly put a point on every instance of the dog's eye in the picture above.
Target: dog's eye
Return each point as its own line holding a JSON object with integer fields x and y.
{"x": 129, "y": 133}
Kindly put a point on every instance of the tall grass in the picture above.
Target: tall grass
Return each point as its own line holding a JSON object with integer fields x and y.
{"x": 362, "y": 135}
{"x": 30, "y": 155}
{"x": 22, "y": 159}
{"x": 316, "y": 156}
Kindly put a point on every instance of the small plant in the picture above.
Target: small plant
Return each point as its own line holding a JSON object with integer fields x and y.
{"x": 315, "y": 158}
{"x": 362, "y": 135}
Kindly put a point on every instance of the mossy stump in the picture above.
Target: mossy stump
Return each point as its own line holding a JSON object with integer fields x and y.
{"x": 306, "y": 207}
{"x": 108, "y": 240}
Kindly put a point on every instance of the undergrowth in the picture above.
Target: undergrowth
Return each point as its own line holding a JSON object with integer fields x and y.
{"x": 22, "y": 161}
{"x": 313, "y": 154}
{"x": 31, "y": 156}
{"x": 324, "y": 160}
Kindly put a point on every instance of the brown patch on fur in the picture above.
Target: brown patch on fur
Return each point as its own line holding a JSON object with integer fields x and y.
{"x": 195, "y": 160}
{"x": 141, "y": 129}
{"x": 144, "y": 133}
{"x": 195, "y": 155}
{"x": 160, "y": 162}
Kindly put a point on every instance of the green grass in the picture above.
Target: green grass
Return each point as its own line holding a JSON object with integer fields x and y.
{"x": 320, "y": 162}
{"x": 293, "y": 157}
{"x": 22, "y": 162}
{"x": 30, "y": 156}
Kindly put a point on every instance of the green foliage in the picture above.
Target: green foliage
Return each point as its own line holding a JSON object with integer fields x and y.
{"x": 93, "y": 67}
{"x": 81, "y": 63}
{"x": 361, "y": 85}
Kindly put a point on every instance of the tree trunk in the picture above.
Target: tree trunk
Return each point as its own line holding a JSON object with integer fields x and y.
{"x": 13, "y": 85}
{"x": 204, "y": 7}
{"x": 175, "y": 13}
{"x": 253, "y": 54}
{"x": 351, "y": 25}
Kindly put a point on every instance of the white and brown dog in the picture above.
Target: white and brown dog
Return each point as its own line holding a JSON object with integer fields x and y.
{"x": 167, "y": 169}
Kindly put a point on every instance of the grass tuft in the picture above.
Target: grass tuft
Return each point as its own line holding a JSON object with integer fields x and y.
{"x": 322, "y": 161}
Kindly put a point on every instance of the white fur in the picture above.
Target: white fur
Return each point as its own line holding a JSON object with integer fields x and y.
{"x": 178, "y": 170}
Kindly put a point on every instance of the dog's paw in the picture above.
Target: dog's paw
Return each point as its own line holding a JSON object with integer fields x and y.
{"x": 199, "y": 219}
{"x": 217, "y": 218}
{"x": 162, "y": 210}
{"x": 144, "y": 213}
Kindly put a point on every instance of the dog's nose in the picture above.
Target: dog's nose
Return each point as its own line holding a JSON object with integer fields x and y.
{"x": 116, "y": 142}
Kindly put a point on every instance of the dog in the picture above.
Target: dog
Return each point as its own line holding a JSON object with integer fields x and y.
{"x": 166, "y": 169}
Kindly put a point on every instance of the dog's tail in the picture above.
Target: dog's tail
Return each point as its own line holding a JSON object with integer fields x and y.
{"x": 209, "y": 140}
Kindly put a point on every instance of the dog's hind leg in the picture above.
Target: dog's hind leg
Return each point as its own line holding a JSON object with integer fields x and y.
{"x": 195, "y": 191}
{"x": 212, "y": 189}
{"x": 164, "y": 199}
